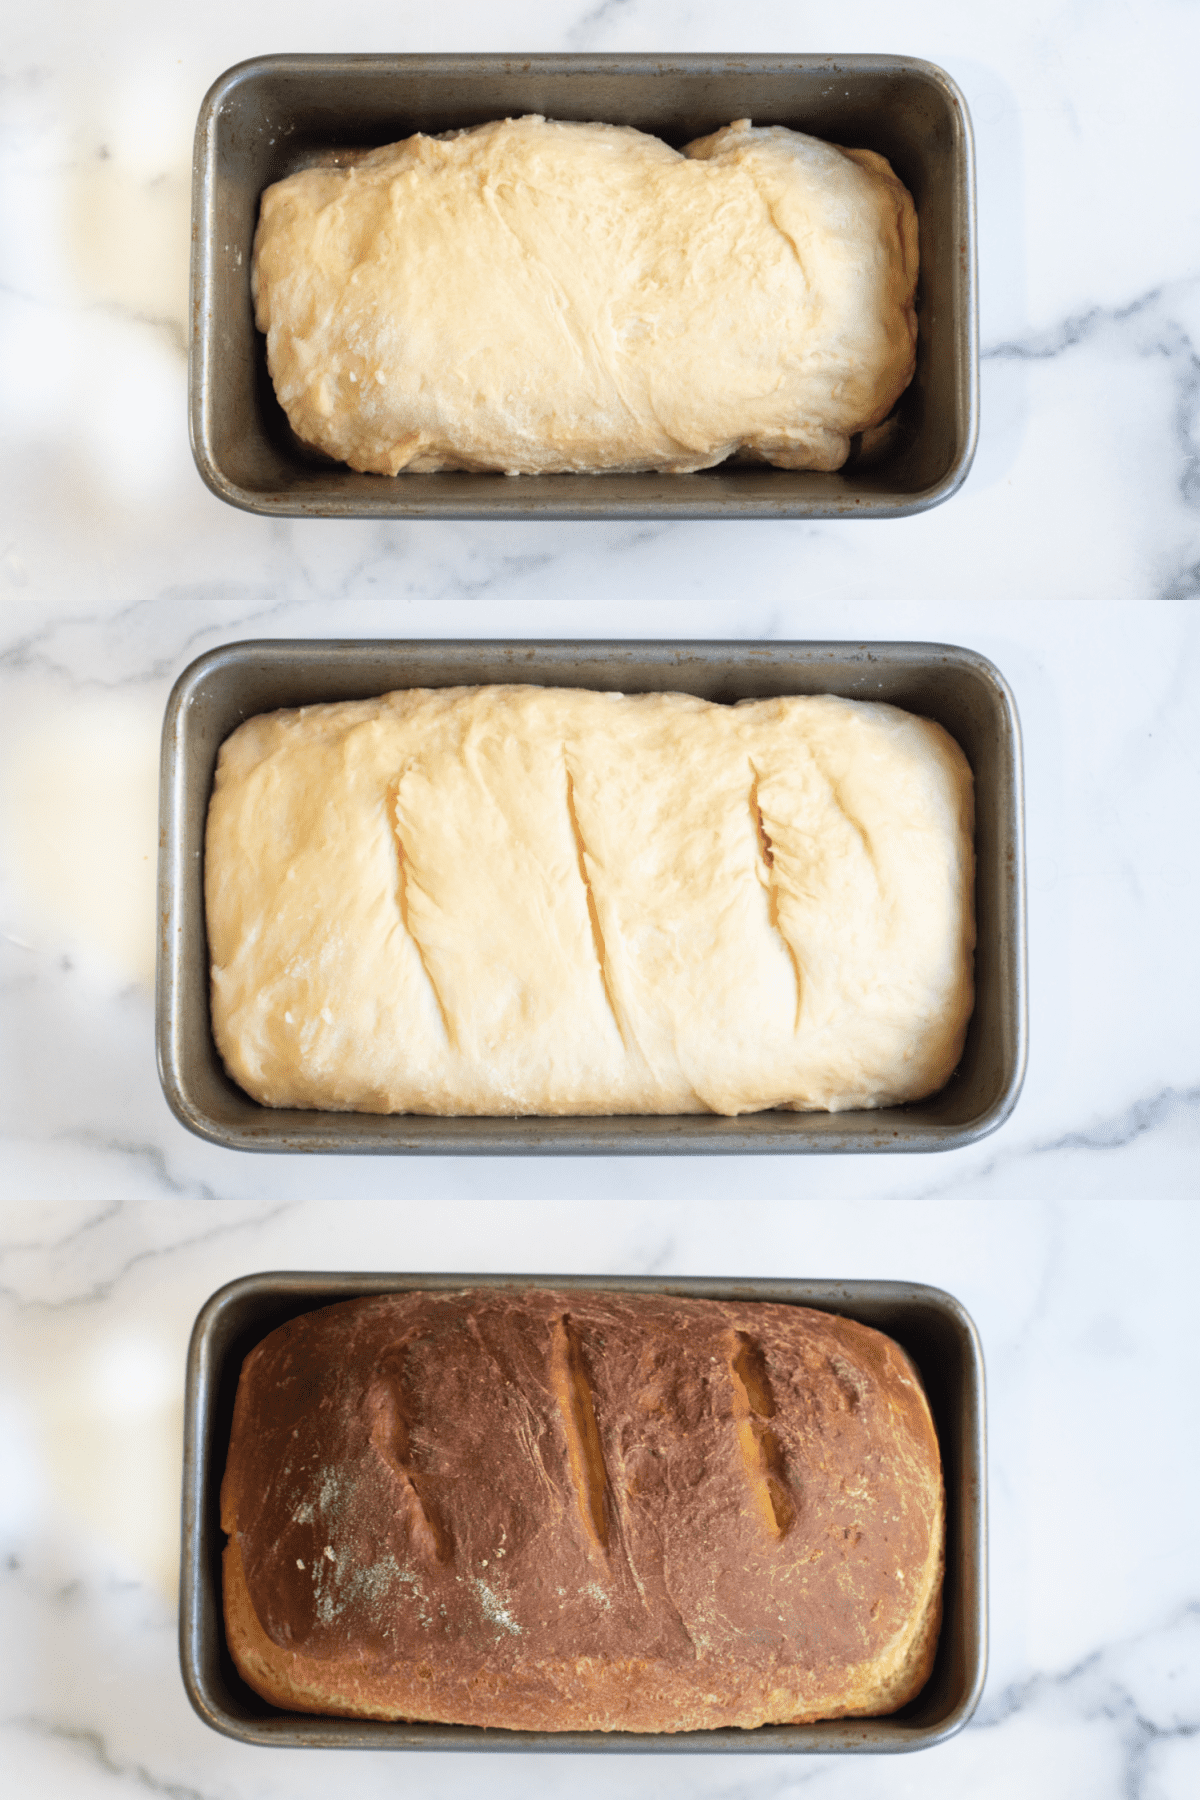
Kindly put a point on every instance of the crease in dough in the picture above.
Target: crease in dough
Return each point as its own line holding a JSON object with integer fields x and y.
{"x": 767, "y": 861}
{"x": 402, "y": 879}
{"x": 852, "y": 819}
{"x": 593, "y": 911}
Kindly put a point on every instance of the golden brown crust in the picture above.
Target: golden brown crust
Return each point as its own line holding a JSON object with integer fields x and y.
{"x": 582, "y": 1511}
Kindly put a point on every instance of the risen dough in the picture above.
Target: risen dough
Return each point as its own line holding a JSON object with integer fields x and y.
{"x": 532, "y": 296}
{"x": 528, "y": 900}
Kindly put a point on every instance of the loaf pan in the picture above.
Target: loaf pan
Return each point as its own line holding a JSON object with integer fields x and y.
{"x": 961, "y": 690}
{"x": 267, "y": 118}
{"x": 934, "y": 1329}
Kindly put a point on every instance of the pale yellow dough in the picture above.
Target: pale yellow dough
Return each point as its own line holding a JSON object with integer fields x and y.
{"x": 530, "y": 900}
{"x": 536, "y": 297}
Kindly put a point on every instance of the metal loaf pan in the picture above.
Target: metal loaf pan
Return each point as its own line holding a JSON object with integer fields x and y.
{"x": 961, "y": 690}
{"x": 932, "y": 1327}
{"x": 267, "y": 118}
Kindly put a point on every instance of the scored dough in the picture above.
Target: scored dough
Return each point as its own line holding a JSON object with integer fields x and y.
{"x": 523, "y": 900}
{"x": 535, "y": 296}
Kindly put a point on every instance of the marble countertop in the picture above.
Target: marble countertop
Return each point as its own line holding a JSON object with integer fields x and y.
{"x": 1071, "y": 557}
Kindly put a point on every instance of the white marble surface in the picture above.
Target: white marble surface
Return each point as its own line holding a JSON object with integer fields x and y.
{"x": 1072, "y": 557}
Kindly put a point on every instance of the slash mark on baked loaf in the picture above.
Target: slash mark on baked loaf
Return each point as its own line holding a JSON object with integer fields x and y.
{"x": 573, "y": 1392}
{"x": 762, "y": 1453}
{"x": 391, "y": 1436}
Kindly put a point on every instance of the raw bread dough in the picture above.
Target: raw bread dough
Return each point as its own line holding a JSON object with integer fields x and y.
{"x": 525, "y": 900}
{"x": 537, "y": 297}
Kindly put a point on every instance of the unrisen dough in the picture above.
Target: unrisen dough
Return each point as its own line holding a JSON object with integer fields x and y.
{"x": 539, "y": 297}
{"x": 526, "y": 900}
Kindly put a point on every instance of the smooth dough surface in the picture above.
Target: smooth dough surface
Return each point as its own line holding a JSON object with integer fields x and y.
{"x": 536, "y": 297}
{"x": 517, "y": 900}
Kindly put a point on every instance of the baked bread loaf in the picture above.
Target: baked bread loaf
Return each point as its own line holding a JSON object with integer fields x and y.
{"x": 520, "y": 900}
{"x": 582, "y": 1512}
{"x": 532, "y": 297}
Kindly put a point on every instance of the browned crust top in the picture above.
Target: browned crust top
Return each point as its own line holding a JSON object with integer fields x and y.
{"x": 581, "y": 1510}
